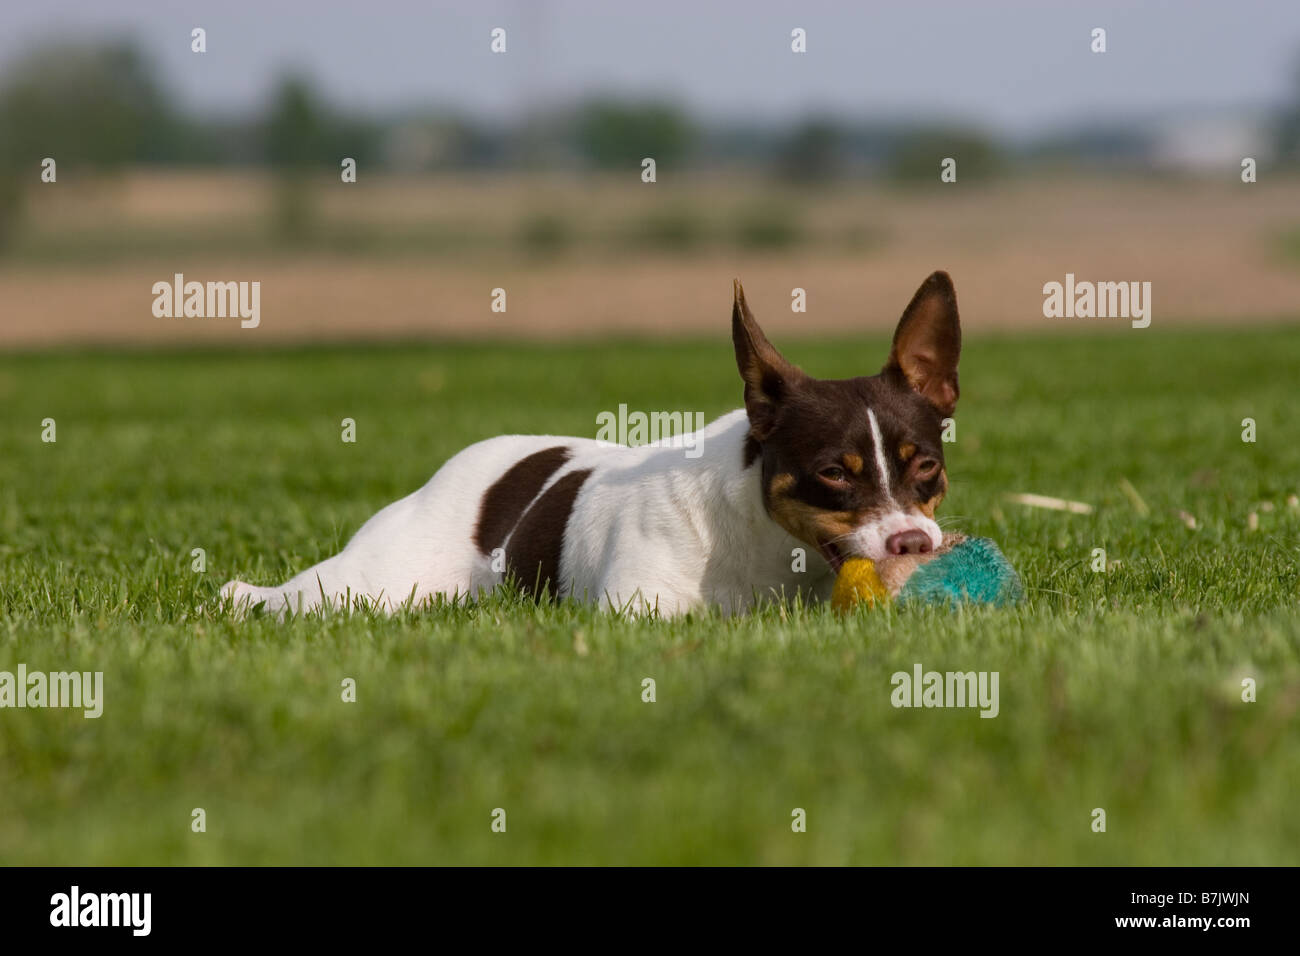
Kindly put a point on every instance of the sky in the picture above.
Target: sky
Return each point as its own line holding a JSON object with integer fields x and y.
{"x": 1016, "y": 66}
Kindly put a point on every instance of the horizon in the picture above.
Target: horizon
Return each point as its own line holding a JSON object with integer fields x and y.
{"x": 1016, "y": 69}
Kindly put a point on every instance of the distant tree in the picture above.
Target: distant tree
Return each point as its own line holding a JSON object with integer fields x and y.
{"x": 812, "y": 152}
{"x": 295, "y": 142}
{"x": 617, "y": 134}
{"x": 1288, "y": 122}
{"x": 85, "y": 105}
{"x": 97, "y": 105}
{"x": 917, "y": 154}
{"x": 11, "y": 206}
{"x": 295, "y": 126}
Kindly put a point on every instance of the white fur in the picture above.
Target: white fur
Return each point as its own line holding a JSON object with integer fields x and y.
{"x": 871, "y": 538}
{"x": 650, "y": 529}
{"x": 878, "y": 444}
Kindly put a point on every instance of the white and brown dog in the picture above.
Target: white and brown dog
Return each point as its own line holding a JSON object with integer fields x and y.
{"x": 844, "y": 467}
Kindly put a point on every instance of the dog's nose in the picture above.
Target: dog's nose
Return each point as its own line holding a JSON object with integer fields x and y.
{"x": 908, "y": 542}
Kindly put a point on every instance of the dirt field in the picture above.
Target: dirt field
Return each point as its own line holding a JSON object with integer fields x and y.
{"x": 83, "y": 274}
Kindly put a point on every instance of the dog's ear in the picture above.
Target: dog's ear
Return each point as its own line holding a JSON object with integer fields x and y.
{"x": 927, "y": 343}
{"x": 767, "y": 375}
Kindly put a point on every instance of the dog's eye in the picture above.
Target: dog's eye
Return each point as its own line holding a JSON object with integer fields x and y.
{"x": 834, "y": 475}
{"x": 927, "y": 468}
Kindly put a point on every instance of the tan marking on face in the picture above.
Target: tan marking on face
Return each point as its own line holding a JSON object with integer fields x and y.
{"x": 780, "y": 484}
{"x": 853, "y": 463}
{"x": 906, "y": 450}
{"x": 813, "y": 525}
{"x": 927, "y": 507}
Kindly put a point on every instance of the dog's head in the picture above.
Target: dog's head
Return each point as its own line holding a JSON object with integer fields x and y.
{"x": 854, "y": 467}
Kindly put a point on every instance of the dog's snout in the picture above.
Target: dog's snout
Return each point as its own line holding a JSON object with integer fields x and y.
{"x": 908, "y": 542}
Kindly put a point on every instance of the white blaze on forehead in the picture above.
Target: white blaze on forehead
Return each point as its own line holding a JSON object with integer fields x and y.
{"x": 871, "y": 539}
{"x": 881, "y": 466}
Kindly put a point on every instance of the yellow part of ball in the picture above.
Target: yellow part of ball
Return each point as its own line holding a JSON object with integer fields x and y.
{"x": 858, "y": 582}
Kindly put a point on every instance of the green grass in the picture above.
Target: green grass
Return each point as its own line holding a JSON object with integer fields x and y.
{"x": 1118, "y": 690}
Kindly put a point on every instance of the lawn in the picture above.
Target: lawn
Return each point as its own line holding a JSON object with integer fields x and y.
{"x": 1119, "y": 690}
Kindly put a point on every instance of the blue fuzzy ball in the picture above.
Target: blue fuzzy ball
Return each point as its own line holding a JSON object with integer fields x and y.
{"x": 974, "y": 571}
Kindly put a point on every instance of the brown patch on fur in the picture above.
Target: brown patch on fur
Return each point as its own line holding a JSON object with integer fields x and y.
{"x": 927, "y": 507}
{"x": 853, "y": 463}
{"x": 505, "y": 501}
{"x": 538, "y": 541}
{"x": 906, "y": 451}
{"x": 780, "y": 484}
{"x": 811, "y": 524}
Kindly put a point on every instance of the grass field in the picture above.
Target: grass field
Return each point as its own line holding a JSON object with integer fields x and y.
{"x": 1118, "y": 690}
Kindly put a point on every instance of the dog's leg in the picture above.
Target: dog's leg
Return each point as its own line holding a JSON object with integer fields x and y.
{"x": 419, "y": 548}
{"x": 629, "y": 594}
{"x": 336, "y": 581}
{"x": 242, "y": 597}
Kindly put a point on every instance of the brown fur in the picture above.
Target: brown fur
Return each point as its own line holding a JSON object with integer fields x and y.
{"x": 809, "y": 524}
{"x": 505, "y": 501}
{"x": 536, "y": 545}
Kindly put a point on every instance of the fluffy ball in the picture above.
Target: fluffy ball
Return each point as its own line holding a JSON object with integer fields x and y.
{"x": 858, "y": 582}
{"x": 973, "y": 572}
{"x": 964, "y": 570}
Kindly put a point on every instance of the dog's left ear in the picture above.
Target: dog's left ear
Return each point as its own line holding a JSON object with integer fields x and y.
{"x": 768, "y": 377}
{"x": 927, "y": 343}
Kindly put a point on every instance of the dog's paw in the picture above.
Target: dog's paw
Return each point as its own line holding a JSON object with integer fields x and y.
{"x": 239, "y": 597}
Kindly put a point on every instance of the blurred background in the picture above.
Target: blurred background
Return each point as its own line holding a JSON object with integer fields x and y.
{"x": 522, "y": 169}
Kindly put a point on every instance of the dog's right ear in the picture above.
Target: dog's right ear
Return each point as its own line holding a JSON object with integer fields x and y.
{"x": 767, "y": 375}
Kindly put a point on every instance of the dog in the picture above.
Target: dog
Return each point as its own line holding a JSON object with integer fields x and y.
{"x": 841, "y": 468}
